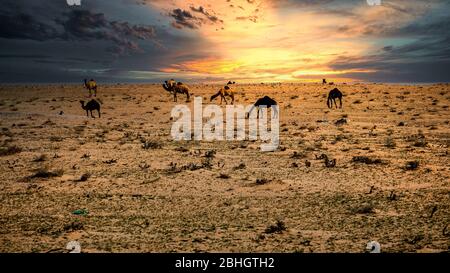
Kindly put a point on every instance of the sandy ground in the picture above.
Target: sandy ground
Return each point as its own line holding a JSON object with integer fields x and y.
{"x": 182, "y": 197}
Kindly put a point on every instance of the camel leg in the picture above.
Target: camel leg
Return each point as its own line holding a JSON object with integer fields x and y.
{"x": 226, "y": 102}
{"x": 92, "y": 115}
{"x": 174, "y": 96}
{"x": 335, "y": 103}
{"x": 99, "y": 115}
{"x": 340, "y": 102}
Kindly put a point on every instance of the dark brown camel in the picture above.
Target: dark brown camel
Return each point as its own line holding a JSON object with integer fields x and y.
{"x": 265, "y": 101}
{"x": 90, "y": 106}
{"x": 332, "y": 96}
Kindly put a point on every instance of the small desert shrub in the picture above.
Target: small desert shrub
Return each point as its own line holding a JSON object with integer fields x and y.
{"x": 239, "y": 167}
{"x": 40, "y": 158}
{"x": 411, "y": 165}
{"x": 390, "y": 143}
{"x": 181, "y": 149}
{"x": 279, "y": 227}
{"x": 79, "y": 129}
{"x": 45, "y": 173}
{"x": 10, "y": 150}
{"x": 298, "y": 155}
{"x": 224, "y": 176}
{"x": 339, "y": 138}
{"x": 366, "y": 160}
{"x": 418, "y": 140}
{"x": 76, "y": 225}
{"x": 56, "y": 138}
{"x": 84, "y": 177}
{"x": 210, "y": 154}
{"x": 363, "y": 209}
{"x": 148, "y": 144}
{"x": 262, "y": 181}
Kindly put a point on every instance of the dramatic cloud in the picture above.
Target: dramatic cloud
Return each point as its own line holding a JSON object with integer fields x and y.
{"x": 24, "y": 26}
{"x": 203, "y": 11}
{"x": 184, "y": 18}
{"x": 202, "y": 40}
{"x": 85, "y": 25}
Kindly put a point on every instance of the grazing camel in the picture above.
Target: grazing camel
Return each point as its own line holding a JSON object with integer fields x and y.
{"x": 265, "y": 101}
{"x": 91, "y": 105}
{"x": 175, "y": 88}
{"x": 332, "y": 96}
{"x": 91, "y": 85}
{"x": 225, "y": 91}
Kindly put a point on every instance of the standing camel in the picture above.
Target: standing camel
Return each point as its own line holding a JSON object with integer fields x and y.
{"x": 90, "y": 106}
{"x": 332, "y": 96}
{"x": 224, "y": 92}
{"x": 175, "y": 88}
{"x": 91, "y": 85}
{"x": 265, "y": 101}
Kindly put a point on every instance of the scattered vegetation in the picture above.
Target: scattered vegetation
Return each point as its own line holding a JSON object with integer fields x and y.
{"x": 148, "y": 144}
{"x": 366, "y": 160}
{"x": 390, "y": 143}
{"x": 411, "y": 165}
{"x": 278, "y": 227}
{"x": 45, "y": 173}
{"x": 10, "y": 150}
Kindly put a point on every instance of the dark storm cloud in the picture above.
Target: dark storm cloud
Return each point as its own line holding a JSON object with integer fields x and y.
{"x": 184, "y": 18}
{"x": 85, "y": 25}
{"x": 75, "y": 25}
{"x": 48, "y": 41}
{"x": 24, "y": 26}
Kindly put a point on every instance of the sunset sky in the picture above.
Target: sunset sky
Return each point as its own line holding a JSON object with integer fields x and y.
{"x": 217, "y": 41}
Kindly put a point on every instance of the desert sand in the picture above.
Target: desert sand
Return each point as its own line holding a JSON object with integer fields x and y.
{"x": 137, "y": 190}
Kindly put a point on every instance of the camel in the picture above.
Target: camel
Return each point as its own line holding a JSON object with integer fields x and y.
{"x": 175, "y": 88}
{"x": 91, "y": 85}
{"x": 91, "y": 105}
{"x": 265, "y": 101}
{"x": 332, "y": 96}
{"x": 225, "y": 91}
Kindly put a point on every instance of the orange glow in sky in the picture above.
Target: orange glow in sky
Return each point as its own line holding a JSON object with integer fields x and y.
{"x": 256, "y": 41}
